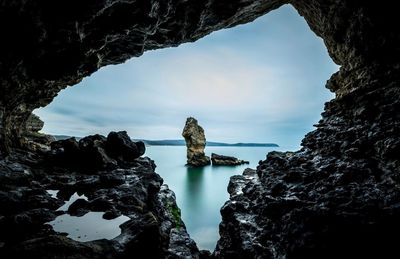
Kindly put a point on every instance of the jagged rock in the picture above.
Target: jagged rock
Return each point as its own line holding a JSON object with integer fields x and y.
{"x": 93, "y": 153}
{"x": 226, "y": 160}
{"x": 79, "y": 208}
{"x": 338, "y": 197}
{"x": 32, "y": 139}
{"x": 155, "y": 228}
{"x": 120, "y": 146}
{"x": 96, "y": 151}
{"x": 34, "y": 123}
{"x": 195, "y": 143}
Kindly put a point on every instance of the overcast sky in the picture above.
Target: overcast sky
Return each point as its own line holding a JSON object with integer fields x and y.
{"x": 258, "y": 82}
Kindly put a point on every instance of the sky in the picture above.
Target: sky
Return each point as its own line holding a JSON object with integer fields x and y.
{"x": 259, "y": 82}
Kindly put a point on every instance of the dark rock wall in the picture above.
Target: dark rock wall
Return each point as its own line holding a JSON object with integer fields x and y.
{"x": 47, "y": 45}
{"x": 336, "y": 198}
{"x": 338, "y": 194}
{"x": 154, "y": 230}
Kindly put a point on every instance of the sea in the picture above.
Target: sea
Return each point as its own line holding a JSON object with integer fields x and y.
{"x": 201, "y": 192}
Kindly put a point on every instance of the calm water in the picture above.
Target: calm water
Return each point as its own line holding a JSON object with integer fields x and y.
{"x": 88, "y": 227}
{"x": 201, "y": 192}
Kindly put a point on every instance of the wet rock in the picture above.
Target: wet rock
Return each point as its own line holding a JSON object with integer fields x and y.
{"x": 92, "y": 149}
{"x": 336, "y": 198}
{"x": 226, "y": 160}
{"x": 78, "y": 208}
{"x": 136, "y": 192}
{"x": 195, "y": 143}
{"x": 111, "y": 214}
{"x": 66, "y": 152}
{"x": 112, "y": 178}
{"x": 53, "y": 246}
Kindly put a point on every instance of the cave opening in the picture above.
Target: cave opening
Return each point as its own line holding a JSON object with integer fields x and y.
{"x": 258, "y": 82}
{"x": 335, "y": 198}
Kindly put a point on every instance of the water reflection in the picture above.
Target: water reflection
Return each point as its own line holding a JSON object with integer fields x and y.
{"x": 194, "y": 197}
{"x": 194, "y": 182}
{"x": 201, "y": 192}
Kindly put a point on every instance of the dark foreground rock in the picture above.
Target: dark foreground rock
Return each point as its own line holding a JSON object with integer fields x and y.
{"x": 155, "y": 228}
{"x": 96, "y": 151}
{"x": 226, "y": 160}
{"x": 336, "y": 198}
{"x": 195, "y": 143}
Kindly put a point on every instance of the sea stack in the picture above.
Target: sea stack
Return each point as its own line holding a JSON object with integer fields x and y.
{"x": 195, "y": 143}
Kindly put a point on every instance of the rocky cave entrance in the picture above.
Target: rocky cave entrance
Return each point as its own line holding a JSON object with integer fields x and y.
{"x": 336, "y": 198}
{"x": 269, "y": 71}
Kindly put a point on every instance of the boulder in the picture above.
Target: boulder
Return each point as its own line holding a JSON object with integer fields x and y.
{"x": 120, "y": 146}
{"x": 195, "y": 143}
{"x": 32, "y": 139}
{"x": 96, "y": 151}
{"x": 92, "y": 149}
{"x": 34, "y": 123}
{"x": 226, "y": 160}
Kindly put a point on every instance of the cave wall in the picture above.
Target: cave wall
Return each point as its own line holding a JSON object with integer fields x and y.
{"x": 336, "y": 198}
{"x": 49, "y": 45}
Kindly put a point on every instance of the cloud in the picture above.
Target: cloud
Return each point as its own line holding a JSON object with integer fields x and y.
{"x": 261, "y": 81}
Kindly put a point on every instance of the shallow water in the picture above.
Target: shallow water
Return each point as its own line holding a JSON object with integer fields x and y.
{"x": 201, "y": 192}
{"x": 71, "y": 200}
{"x": 90, "y": 226}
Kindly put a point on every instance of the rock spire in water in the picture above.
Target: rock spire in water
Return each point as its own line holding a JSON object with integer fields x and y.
{"x": 195, "y": 143}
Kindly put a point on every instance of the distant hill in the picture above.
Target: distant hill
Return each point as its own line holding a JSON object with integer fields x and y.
{"x": 62, "y": 137}
{"x": 181, "y": 142}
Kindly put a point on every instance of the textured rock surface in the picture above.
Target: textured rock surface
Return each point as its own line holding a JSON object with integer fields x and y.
{"x": 34, "y": 124}
{"x": 226, "y": 160}
{"x": 155, "y": 229}
{"x": 195, "y": 143}
{"x": 31, "y": 138}
{"x": 338, "y": 197}
{"x": 48, "y": 46}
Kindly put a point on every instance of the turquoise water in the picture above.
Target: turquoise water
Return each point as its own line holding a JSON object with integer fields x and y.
{"x": 201, "y": 192}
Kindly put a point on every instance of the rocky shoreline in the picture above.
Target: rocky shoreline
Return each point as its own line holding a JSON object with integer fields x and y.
{"x": 226, "y": 160}
{"x": 338, "y": 197}
{"x": 133, "y": 189}
{"x": 331, "y": 199}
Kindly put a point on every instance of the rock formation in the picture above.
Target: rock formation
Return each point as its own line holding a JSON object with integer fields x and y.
{"x": 96, "y": 151}
{"x": 336, "y": 198}
{"x": 32, "y": 138}
{"x": 155, "y": 229}
{"x": 226, "y": 160}
{"x": 34, "y": 124}
{"x": 195, "y": 143}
